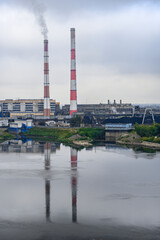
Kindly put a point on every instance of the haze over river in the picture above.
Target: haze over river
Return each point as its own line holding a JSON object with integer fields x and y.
{"x": 50, "y": 191}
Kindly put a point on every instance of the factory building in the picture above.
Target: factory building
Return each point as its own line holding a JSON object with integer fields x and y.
{"x": 27, "y": 107}
{"x": 101, "y": 109}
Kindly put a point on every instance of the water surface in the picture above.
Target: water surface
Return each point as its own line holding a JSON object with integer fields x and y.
{"x": 50, "y": 191}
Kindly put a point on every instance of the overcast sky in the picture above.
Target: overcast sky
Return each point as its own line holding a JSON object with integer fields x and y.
{"x": 117, "y": 49}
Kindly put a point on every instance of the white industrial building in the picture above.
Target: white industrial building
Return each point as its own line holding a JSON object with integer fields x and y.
{"x": 27, "y": 107}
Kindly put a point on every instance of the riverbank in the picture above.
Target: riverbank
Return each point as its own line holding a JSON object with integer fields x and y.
{"x": 142, "y": 136}
{"x": 81, "y": 137}
{"x": 133, "y": 139}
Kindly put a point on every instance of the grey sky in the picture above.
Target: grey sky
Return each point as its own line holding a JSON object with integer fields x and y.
{"x": 117, "y": 49}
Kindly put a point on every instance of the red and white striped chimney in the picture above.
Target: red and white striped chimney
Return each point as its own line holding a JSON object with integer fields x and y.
{"x": 73, "y": 90}
{"x": 46, "y": 81}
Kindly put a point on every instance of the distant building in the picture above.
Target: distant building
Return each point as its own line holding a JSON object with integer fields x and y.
{"x": 20, "y": 126}
{"x": 3, "y": 122}
{"x": 101, "y": 109}
{"x": 27, "y": 107}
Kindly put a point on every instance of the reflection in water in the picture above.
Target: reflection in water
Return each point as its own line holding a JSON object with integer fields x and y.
{"x": 117, "y": 192}
{"x": 74, "y": 184}
{"x": 27, "y": 146}
{"x": 47, "y": 191}
{"x": 47, "y": 152}
{"x": 136, "y": 152}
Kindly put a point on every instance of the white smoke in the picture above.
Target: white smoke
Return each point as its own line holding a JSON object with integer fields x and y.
{"x": 39, "y": 9}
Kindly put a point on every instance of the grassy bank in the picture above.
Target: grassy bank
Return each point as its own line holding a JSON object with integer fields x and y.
{"x": 147, "y": 136}
{"x": 51, "y": 133}
{"x": 149, "y": 133}
{"x": 4, "y": 135}
{"x": 67, "y": 136}
{"x": 94, "y": 134}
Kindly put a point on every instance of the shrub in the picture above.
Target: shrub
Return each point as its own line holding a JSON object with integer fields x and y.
{"x": 93, "y": 133}
{"x": 75, "y": 121}
{"x": 147, "y": 131}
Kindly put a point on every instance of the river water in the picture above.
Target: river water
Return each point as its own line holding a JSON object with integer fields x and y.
{"x": 50, "y": 191}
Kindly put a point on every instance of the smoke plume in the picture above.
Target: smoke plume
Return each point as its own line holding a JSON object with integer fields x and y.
{"x": 39, "y": 10}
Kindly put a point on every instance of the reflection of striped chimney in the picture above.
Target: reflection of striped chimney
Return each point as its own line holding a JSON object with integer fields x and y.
{"x": 73, "y": 90}
{"x": 47, "y": 151}
{"x": 46, "y": 81}
{"x": 74, "y": 184}
{"x": 73, "y": 158}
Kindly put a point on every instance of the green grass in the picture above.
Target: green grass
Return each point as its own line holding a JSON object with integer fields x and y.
{"x": 151, "y": 139}
{"x": 92, "y": 133}
{"x": 148, "y": 131}
{"x": 63, "y": 135}
{"x": 53, "y": 133}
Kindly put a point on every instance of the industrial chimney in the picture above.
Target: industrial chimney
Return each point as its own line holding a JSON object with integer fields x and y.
{"x": 73, "y": 90}
{"x": 46, "y": 81}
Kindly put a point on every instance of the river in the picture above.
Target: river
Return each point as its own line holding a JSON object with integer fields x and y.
{"x": 51, "y": 191}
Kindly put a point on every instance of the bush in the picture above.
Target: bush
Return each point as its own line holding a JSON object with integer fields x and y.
{"x": 75, "y": 121}
{"x": 42, "y": 123}
{"x": 148, "y": 131}
{"x": 148, "y": 139}
{"x": 92, "y": 133}
{"x": 61, "y": 133}
{"x": 151, "y": 139}
{"x": 157, "y": 140}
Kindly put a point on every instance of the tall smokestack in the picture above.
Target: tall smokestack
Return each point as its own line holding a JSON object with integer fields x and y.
{"x": 73, "y": 90}
{"x": 46, "y": 81}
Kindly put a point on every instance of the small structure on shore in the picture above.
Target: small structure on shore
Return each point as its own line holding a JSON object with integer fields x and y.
{"x": 113, "y": 131}
{"x": 20, "y": 126}
{"x": 3, "y": 122}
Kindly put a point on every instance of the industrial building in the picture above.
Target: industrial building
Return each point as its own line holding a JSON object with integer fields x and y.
{"x": 27, "y": 108}
{"x": 101, "y": 109}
